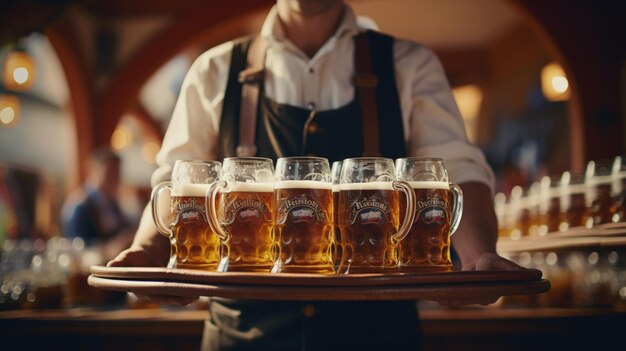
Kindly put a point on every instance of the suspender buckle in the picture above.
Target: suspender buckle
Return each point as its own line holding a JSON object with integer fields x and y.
{"x": 251, "y": 75}
{"x": 365, "y": 80}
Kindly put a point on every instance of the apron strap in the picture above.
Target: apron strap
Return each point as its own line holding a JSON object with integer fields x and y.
{"x": 251, "y": 79}
{"x": 365, "y": 81}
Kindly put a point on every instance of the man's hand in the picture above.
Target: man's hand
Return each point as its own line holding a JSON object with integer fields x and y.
{"x": 486, "y": 262}
{"x": 475, "y": 239}
{"x": 137, "y": 257}
{"x": 149, "y": 249}
{"x": 492, "y": 262}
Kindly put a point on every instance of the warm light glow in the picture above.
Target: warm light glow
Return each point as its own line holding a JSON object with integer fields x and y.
{"x": 554, "y": 83}
{"x": 560, "y": 84}
{"x": 19, "y": 71}
{"x": 7, "y": 115}
{"x": 9, "y": 110}
{"x": 469, "y": 99}
{"x": 20, "y": 75}
{"x": 121, "y": 138}
{"x": 149, "y": 151}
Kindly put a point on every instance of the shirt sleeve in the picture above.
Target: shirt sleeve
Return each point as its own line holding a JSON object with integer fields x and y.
{"x": 433, "y": 121}
{"x": 192, "y": 133}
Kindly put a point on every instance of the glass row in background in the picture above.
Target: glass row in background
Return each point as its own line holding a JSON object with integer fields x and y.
{"x": 48, "y": 274}
{"x": 579, "y": 279}
{"x": 558, "y": 203}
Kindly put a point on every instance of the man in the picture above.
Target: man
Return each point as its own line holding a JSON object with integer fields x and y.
{"x": 307, "y": 104}
{"x": 92, "y": 211}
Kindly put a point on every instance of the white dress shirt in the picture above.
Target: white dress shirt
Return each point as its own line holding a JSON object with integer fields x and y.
{"x": 432, "y": 123}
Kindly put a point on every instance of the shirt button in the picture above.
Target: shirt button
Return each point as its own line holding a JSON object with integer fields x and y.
{"x": 308, "y": 311}
{"x": 312, "y": 129}
{"x": 311, "y": 70}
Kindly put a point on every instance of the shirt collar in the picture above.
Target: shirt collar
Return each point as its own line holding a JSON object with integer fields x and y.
{"x": 273, "y": 31}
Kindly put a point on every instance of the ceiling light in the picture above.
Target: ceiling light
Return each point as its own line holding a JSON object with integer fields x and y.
{"x": 554, "y": 83}
{"x": 9, "y": 110}
{"x": 19, "y": 71}
{"x": 121, "y": 138}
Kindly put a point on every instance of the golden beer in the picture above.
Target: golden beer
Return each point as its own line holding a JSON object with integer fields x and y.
{"x": 553, "y": 216}
{"x": 576, "y": 213}
{"x": 193, "y": 243}
{"x": 602, "y": 185}
{"x": 427, "y": 247}
{"x": 246, "y": 217}
{"x": 620, "y": 205}
{"x": 337, "y": 251}
{"x": 575, "y": 201}
{"x": 602, "y": 206}
{"x": 367, "y": 220}
{"x": 303, "y": 226}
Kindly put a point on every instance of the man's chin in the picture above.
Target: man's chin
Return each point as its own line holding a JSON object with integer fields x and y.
{"x": 310, "y": 8}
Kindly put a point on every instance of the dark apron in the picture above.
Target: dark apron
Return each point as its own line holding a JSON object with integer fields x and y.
{"x": 284, "y": 130}
{"x": 321, "y": 325}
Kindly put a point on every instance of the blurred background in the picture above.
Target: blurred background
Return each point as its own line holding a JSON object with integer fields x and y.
{"x": 541, "y": 86}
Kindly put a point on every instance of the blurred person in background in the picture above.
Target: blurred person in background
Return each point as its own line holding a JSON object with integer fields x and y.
{"x": 92, "y": 211}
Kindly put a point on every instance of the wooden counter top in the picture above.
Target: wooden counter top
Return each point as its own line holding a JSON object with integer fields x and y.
{"x": 472, "y": 328}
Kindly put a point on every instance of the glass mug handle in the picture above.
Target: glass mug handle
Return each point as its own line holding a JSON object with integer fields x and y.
{"x": 409, "y": 214}
{"x": 211, "y": 209}
{"x": 457, "y": 207}
{"x": 154, "y": 200}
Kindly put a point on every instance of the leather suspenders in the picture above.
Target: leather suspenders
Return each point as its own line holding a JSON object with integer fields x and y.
{"x": 251, "y": 79}
{"x": 365, "y": 81}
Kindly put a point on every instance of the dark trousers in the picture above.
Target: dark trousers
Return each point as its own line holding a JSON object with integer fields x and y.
{"x": 312, "y": 326}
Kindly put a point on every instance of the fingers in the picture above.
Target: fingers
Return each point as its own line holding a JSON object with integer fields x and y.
{"x": 130, "y": 258}
{"x": 139, "y": 258}
{"x": 170, "y": 300}
{"x": 492, "y": 261}
{"x": 458, "y": 302}
{"x": 506, "y": 265}
{"x": 487, "y": 262}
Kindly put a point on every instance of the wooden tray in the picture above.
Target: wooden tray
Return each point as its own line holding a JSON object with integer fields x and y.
{"x": 267, "y": 286}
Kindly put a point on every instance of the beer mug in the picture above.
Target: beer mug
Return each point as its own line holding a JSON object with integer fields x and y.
{"x": 438, "y": 211}
{"x": 619, "y": 185}
{"x": 193, "y": 244}
{"x": 369, "y": 207}
{"x": 242, "y": 214}
{"x": 600, "y": 191}
{"x": 573, "y": 201}
{"x": 303, "y": 214}
{"x": 550, "y": 198}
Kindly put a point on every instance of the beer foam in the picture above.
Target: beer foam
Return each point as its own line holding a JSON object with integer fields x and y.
{"x": 242, "y": 187}
{"x": 430, "y": 185}
{"x": 336, "y": 188}
{"x": 302, "y": 184}
{"x": 198, "y": 190}
{"x": 367, "y": 186}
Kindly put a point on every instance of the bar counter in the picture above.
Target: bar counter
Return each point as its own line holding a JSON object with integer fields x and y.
{"x": 468, "y": 328}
